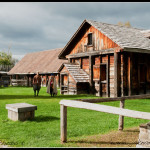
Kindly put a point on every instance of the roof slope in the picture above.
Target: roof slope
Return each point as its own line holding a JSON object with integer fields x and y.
{"x": 78, "y": 74}
{"x": 44, "y": 61}
{"x": 125, "y": 37}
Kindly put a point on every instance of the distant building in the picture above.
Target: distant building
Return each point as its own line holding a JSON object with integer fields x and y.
{"x": 45, "y": 62}
{"x": 4, "y": 79}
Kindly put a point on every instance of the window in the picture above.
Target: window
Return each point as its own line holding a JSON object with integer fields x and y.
{"x": 89, "y": 39}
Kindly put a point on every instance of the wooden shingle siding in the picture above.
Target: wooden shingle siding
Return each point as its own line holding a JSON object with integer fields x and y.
{"x": 100, "y": 42}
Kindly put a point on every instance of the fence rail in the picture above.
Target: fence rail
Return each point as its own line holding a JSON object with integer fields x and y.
{"x": 18, "y": 82}
{"x": 97, "y": 107}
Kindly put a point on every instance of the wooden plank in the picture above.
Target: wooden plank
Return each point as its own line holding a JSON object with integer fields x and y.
{"x": 63, "y": 123}
{"x": 106, "y": 109}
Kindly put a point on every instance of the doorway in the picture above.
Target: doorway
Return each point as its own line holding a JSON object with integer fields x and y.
{"x": 103, "y": 80}
{"x": 142, "y": 78}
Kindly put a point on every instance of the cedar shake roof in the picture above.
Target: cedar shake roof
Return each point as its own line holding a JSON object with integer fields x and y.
{"x": 78, "y": 74}
{"x": 125, "y": 37}
{"x": 44, "y": 62}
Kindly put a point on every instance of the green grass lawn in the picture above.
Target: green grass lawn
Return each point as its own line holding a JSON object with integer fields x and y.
{"x": 44, "y": 129}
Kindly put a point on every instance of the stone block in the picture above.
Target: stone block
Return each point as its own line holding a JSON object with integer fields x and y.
{"x": 20, "y": 111}
{"x": 144, "y": 136}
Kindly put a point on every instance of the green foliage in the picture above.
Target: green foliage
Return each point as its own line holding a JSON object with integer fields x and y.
{"x": 6, "y": 58}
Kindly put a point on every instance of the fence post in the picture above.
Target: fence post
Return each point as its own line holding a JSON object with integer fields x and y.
{"x": 63, "y": 123}
{"x": 121, "y": 118}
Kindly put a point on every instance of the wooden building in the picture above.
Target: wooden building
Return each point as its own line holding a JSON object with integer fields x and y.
{"x": 4, "y": 79}
{"x": 106, "y": 59}
{"x": 45, "y": 62}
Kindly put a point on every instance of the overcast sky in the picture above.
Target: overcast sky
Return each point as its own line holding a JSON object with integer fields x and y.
{"x": 35, "y": 26}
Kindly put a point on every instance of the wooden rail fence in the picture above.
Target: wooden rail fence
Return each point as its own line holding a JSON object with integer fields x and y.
{"x": 97, "y": 107}
{"x": 18, "y": 82}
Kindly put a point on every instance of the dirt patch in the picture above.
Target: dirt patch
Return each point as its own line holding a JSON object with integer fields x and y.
{"x": 125, "y": 138}
{"x": 3, "y": 146}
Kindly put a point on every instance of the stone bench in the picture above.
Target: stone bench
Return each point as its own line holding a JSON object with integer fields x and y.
{"x": 20, "y": 111}
{"x": 144, "y": 136}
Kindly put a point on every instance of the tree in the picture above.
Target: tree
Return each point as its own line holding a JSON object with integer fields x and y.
{"x": 6, "y": 58}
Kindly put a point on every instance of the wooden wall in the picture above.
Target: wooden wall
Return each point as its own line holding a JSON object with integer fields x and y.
{"x": 100, "y": 42}
{"x": 68, "y": 84}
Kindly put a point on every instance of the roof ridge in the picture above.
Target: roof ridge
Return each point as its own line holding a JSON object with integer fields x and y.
{"x": 46, "y": 50}
{"x": 114, "y": 24}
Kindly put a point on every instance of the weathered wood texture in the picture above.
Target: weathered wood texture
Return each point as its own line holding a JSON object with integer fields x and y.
{"x": 85, "y": 64}
{"x": 68, "y": 84}
{"x": 107, "y": 109}
{"x": 100, "y": 42}
{"x": 97, "y": 107}
{"x": 121, "y": 118}
{"x": 63, "y": 123}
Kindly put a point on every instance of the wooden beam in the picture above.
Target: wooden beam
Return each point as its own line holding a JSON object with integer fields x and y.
{"x": 63, "y": 123}
{"x": 136, "y": 50}
{"x": 116, "y": 92}
{"x": 106, "y": 109}
{"x": 92, "y": 53}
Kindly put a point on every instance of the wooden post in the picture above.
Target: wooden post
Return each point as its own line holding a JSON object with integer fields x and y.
{"x": 68, "y": 83}
{"x": 91, "y": 70}
{"x": 11, "y": 80}
{"x": 130, "y": 75}
{"x": 121, "y": 118}
{"x": 63, "y": 123}
{"x": 100, "y": 85}
{"x": 107, "y": 77}
{"x": 27, "y": 80}
{"x": 58, "y": 79}
{"x": 115, "y": 74}
{"x": 60, "y": 83}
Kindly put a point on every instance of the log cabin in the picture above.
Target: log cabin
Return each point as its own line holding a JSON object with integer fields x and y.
{"x": 107, "y": 60}
{"x": 45, "y": 62}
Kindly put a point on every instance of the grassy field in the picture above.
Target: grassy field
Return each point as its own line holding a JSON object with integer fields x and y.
{"x": 44, "y": 129}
